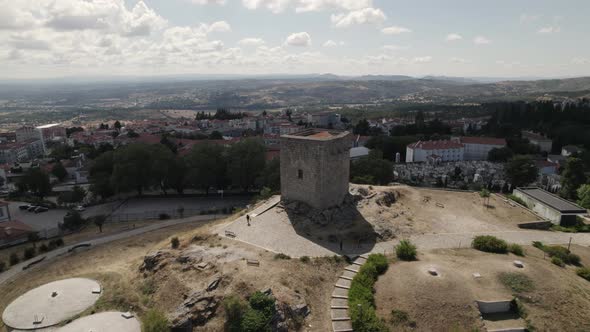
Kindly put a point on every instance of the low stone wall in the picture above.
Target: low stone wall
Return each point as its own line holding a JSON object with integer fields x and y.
{"x": 494, "y": 307}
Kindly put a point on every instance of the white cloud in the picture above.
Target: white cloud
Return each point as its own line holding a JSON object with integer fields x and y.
{"x": 319, "y": 5}
{"x": 301, "y": 39}
{"x": 528, "y": 18}
{"x": 394, "y": 30}
{"x": 453, "y": 37}
{"x": 459, "y": 60}
{"x": 394, "y": 47}
{"x": 219, "y": 26}
{"x": 422, "y": 59}
{"x": 481, "y": 40}
{"x": 580, "y": 61}
{"x": 331, "y": 43}
{"x": 275, "y": 6}
{"x": 549, "y": 29}
{"x": 367, "y": 15}
{"x": 207, "y": 2}
{"x": 251, "y": 42}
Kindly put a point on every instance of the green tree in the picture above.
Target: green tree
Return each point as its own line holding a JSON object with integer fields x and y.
{"x": 485, "y": 194}
{"x": 215, "y": 135}
{"x": 133, "y": 168}
{"x": 521, "y": 170}
{"x": 117, "y": 125}
{"x": 584, "y": 196}
{"x": 162, "y": 165}
{"x": 99, "y": 221}
{"x": 362, "y": 128}
{"x": 246, "y": 159}
{"x": 177, "y": 177}
{"x": 73, "y": 220}
{"x": 100, "y": 175}
{"x": 36, "y": 181}
{"x": 572, "y": 177}
{"x": 59, "y": 171}
{"x": 206, "y": 166}
{"x": 271, "y": 176}
{"x": 500, "y": 154}
{"x": 371, "y": 170}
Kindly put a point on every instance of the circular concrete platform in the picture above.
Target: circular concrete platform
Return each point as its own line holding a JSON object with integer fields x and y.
{"x": 51, "y": 303}
{"x": 103, "y": 322}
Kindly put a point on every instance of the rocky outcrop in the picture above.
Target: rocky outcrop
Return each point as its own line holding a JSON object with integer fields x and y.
{"x": 155, "y": 261}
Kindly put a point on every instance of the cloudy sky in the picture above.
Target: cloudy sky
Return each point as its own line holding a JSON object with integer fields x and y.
{"x": 501, "y": 38}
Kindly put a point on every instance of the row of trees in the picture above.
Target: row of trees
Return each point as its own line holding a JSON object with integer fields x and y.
{"x": 140, "y": 167}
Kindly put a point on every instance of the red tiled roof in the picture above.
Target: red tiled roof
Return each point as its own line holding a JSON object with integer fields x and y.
{"x": 435, "y": 145}
{"x": 483, "y": 140}
{"x": 13, "y": 230}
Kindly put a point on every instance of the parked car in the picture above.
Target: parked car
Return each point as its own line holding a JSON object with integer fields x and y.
{"x": 32, "y": 208}
{"x": 79, "y": 208}
{"x": 41, "y": 209}
{"x": 3, "y": 193}
{"x": 24, "y": 207}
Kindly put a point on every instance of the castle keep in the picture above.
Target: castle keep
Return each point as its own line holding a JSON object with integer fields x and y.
{"x": 315, "y": 167}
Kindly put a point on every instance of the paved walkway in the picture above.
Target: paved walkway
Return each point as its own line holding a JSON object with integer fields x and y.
{"x": 17, "y": 269}
{"x": 339, "y": 304}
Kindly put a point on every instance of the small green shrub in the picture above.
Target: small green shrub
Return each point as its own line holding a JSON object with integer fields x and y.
{"x": 399, "y": 317}
{"x": 361, "y": 298}
{"x": 254, "y": 321}
{"x": 163, "y": 216}
{"x": 517, "y": 282}
{"x": 562, "y": 253}
{"x": 282, "y": 256}
{"x": 29, "y": 253}
{"x": 557, "y": 261}
{"x": 148, "y": 287}
{"x": 234, "y": 312}
{"x": 43, "y": 248}
{"x": 13, "y": 259}
{"x": 488, "y": 243}
{"x": 516, "y": 249}
{"x": 583, "y": 272}
{"x": 538, "y": 245}
{"x": 263, "y": 303}
{"x": 305, "y": 259}
{"x": 379, "y": 262}
{"x": 155, "y": 321}
{"x": 406, "y": 251}
{"x": 174, "y": 242}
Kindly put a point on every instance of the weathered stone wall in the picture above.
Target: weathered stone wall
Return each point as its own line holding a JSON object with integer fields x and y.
{"x": 325, "y": 166}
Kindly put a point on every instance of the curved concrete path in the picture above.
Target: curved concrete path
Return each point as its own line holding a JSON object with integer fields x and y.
{"x": 17, "y": 269}
{"x": 339, "y": 304}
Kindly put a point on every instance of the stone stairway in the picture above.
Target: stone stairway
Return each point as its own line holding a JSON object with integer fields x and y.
{"x": 339, "y": 304}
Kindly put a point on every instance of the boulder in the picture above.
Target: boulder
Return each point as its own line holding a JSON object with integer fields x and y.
{"x": 155, "y": 261}
{"x": 197, "y": 309}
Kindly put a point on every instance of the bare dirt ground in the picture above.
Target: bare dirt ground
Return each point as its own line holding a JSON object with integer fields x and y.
{"x": 116, "y": 267}
{"x": 424, "y": 211}
{"x": 560, "y": 300}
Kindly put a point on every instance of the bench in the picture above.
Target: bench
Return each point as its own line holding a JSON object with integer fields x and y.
{"x": 252, "y": 262}
{"x": 81, "y": 245}
{"x": 230, "y": 234}
{"x": 33, "y": 263}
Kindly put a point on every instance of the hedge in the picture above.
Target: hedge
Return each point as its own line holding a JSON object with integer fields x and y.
{"x": 490, "y": 243}
{"x": 361, "y": 300}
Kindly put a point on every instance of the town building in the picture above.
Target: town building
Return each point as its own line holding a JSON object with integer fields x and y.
{"x": 569, "y": 150}
{"x": 52, "y": 132}
{"x": 438, "y": 151}
{"x": 539, "y": 140}
{"x": 27, "y": 133}
{"x": 477, "y": 148}
{"x": 11, "y": 231}
{"x": 551, "y": 207}
{"x": 358, "y": 153}
{"x": 324, "y": 119}
{"x": 315, "y": 167}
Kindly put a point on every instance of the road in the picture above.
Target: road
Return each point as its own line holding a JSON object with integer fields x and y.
{"x": 17, "y": 269}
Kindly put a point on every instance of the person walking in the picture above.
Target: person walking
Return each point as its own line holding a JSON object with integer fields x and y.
{"x": 248, "y": 219}
{"x": 340, "y": 244}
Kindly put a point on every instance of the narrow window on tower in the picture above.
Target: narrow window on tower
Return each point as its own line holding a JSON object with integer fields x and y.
{"x": 300, "y": 174}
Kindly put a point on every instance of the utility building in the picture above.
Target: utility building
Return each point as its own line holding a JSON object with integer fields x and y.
{"x": 315, "y": 167}
{"x": 554, "y": 208}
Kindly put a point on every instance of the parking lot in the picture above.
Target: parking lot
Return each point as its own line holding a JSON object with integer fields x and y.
{"x": 38, "y": 221}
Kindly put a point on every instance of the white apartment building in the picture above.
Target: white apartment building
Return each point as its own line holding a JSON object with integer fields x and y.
{"x": 443, "y": 150}
{"x": 477, "y": 148}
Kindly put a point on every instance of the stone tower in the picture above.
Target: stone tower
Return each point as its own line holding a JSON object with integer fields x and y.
{"x": 315, "y": 167}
